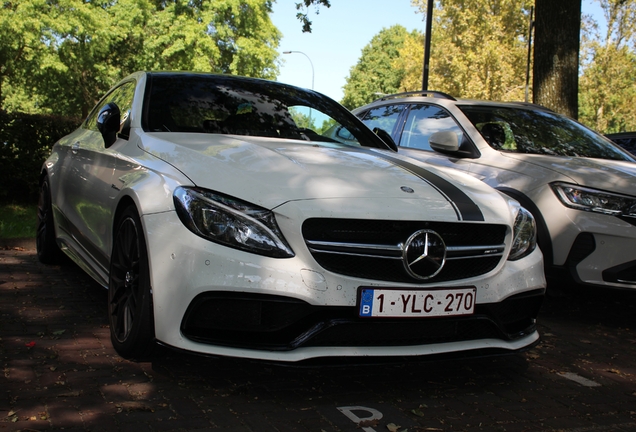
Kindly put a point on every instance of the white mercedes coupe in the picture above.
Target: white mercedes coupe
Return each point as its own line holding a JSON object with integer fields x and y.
{"x": 224, "y": 220}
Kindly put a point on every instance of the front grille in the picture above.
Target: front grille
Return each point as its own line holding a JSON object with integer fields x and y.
{"x": 372, "y": 249}
{"x": 283, "y": 324}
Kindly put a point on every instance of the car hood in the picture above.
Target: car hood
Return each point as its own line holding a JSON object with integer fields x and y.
{"x": 617, "y": 176}
{"x": 270, "y": 172}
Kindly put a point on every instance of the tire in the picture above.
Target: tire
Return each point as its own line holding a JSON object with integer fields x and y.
{"x": 47, "y": 248}
{"x": 130, "y": 310}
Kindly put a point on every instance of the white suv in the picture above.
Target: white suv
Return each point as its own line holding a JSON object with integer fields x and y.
{"x": 580, "y": 187}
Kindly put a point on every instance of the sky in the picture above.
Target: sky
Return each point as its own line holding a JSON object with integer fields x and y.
{"x": 338, "y": 35}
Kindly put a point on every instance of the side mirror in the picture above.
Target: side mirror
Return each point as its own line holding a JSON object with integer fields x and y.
{"x": 445, "y": 142}
{"x": 386, "y": 137}
{"x": 108, "y": 122}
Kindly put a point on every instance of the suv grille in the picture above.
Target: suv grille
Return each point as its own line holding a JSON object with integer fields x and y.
{"x": 372, "y": 249}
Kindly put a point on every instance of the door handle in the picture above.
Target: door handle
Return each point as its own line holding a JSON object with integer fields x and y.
{"x": 75, "y": 147}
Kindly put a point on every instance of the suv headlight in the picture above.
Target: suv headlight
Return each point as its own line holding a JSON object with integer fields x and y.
{"x": 230, "y": 222}
{"x": 582, "y": 198}
{"x": 525, "y": 235}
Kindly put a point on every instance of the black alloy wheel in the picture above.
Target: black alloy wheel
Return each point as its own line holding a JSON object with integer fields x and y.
{"x": 129, "y": 295}
{"x": 47, "y": 248}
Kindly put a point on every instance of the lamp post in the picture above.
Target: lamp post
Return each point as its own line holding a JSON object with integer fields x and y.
{"x": 427, "y": 44}
{"x": 310, "y": 62}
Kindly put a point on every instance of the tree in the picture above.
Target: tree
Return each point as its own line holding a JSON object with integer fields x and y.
{"x": 478, "y": 48}
{"x": 558, "y": 23}
{"x": 23, "y": 37}
{"x": 607, "y": 91}
{"x": 556, "y": 55}
{"x": 303, "y": 17}
{"x": 409, "y": 61}
{"x": 87, "y": 45}
{"x": 230, "y": 36}
{"x": 374, "y": 74}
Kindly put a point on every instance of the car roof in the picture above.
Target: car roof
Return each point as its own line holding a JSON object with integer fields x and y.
{"x": 222, "y": 78}
{"x": 437, "y": 96}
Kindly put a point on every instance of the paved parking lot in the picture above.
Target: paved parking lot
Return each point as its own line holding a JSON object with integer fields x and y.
{"x": 59, "y": 371}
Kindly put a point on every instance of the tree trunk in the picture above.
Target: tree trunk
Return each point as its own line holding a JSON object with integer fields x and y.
{"x": 556, "y": 55}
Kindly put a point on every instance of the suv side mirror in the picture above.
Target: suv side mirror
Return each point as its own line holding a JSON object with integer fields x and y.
{"x": 108, "y": 122}
{"x": 444, "y": 142}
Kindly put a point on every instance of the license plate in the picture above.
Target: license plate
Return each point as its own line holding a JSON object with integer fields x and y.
{"x": 416, "y": 303}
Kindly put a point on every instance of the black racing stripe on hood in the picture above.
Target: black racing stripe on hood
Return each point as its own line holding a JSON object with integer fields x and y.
{"x": 465, "y": 207}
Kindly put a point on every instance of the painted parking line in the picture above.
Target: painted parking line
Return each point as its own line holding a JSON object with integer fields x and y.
{"x": 579, "y": 379}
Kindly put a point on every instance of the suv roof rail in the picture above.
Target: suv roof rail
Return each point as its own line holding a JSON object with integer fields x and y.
{"x": 425, "y": 93}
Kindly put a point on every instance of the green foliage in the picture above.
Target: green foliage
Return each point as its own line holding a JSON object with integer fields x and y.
{"x": 478, "y": 48}
{"x": 71, "y": 51}
{"x": 325, "y": 126}
{"x": 22, "y": 37}
{"x": 411, "y": 61}
{"x": 18, "y": 220}
{"x": 374, "y": 74}
{"x": 25, "y": 142}
{"x": 607, "y": 86}
{"x": 302, "y": 120}
{"x": 303, "y": 17}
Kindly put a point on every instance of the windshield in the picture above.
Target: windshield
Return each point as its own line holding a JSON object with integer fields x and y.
{"x": 220, "y": 104}
{"x": 539, "y": 132}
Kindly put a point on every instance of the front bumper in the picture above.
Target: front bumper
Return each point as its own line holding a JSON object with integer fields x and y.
{"x": 595, "y": 249}
{"x": 278, "y": 323}
{"x": 216, "y": 300}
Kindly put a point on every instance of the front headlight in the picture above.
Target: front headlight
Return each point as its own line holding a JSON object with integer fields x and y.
{"x": 582, "y": 198}
{"x": 525, "y": 235}
{"x": 231, "y": 222}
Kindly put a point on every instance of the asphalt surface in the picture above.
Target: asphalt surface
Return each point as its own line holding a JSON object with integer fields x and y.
{"x": 60, "y": 372}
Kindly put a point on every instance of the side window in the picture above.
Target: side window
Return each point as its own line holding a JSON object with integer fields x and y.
{"x": 123, "y": 97}
{"x": 384, "y": 117}
{"x": 422, "y": 122}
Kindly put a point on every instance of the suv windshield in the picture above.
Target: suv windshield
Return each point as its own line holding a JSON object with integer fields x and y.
{"x": 539, "y": 132}
{"x": 220, "y": 104}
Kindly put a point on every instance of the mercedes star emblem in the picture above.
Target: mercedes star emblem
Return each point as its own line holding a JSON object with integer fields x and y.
{"x": 424, "y": 254}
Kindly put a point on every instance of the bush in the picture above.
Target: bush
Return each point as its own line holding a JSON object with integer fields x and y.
{"x": 25, "y": 142}
{"x": 18, "y": 221}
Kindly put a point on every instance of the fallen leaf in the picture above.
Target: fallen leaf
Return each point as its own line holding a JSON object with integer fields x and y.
{"x": 30, "y": 344}
{"x": 418, "y": 412}
{"x": 58, "y": 332}
{"x": 392, "y": 427}
{"x": 368, "y": 423}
